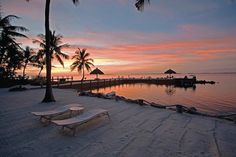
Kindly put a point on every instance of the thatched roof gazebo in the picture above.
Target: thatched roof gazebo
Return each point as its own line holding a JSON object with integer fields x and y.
{"x": 96, "y": 72}
{"x": 170, "y": 71}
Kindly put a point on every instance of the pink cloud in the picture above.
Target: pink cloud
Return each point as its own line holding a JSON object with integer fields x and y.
{"x": 150, "y": 52}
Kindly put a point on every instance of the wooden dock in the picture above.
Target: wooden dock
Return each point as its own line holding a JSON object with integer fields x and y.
{"x": 102, "y": 83}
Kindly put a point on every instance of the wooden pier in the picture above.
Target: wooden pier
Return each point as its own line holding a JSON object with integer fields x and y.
{"x": 102, "y": 83}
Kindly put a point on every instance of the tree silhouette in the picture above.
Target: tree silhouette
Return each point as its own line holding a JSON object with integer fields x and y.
{"x": 10, "y": 51}
{"x": 82, "y": 61}
{"x": 28, "y": 55}
{"x": 49, "y": 94}
{"x": 56, "y": 46}
{"x": 39, "y": 62}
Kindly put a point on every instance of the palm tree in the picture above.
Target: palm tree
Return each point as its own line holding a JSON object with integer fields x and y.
{"x": 49, "y": 95}
{"x": 81, "y": 62}
{"x": 28, "y": 55}
{"x": 12, "y": 61}
{"x": 56, "y": 47}
{"x": 10, "y": 51}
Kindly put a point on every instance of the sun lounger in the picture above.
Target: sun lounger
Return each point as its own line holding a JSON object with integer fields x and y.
{"x": 48, "y": 115}
{"x": 72, "y": 123}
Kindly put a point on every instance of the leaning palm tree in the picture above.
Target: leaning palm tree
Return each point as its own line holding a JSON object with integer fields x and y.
{"x": 28, "y": 55}
{"x": 56, "y": 46}
{"x": 82, "y": 62}
{"x": 48, "y": 94}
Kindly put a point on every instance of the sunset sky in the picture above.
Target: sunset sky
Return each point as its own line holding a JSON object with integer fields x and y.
{"x": 185, "y": 35}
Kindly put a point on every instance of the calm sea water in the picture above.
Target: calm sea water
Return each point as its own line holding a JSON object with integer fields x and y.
{"x": 217, "y": 98}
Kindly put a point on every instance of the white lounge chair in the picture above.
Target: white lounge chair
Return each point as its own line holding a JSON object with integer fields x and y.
{"x": 48, "y": 115}
{"x": 73, "y": 122}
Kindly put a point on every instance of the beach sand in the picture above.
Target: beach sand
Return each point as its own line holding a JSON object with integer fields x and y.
{"x": 132, "y": 131}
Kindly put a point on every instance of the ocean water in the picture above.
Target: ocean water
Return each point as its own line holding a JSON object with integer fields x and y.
{"x": 219, "y": 98}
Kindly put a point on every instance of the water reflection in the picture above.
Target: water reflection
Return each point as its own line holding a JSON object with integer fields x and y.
{"x": 170, "y": 90}
{"x": 218, "y": 98}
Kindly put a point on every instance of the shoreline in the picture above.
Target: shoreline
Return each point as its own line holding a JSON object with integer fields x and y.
{"x": 132, "y": 131}
{"x": 178, "y": 107}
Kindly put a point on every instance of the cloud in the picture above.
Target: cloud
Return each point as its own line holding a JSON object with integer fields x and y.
{"x": 147, "y": 52}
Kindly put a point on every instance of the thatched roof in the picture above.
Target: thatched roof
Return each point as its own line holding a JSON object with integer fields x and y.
{"x": 170, "y": 71}
{"x": 97, "y": 72}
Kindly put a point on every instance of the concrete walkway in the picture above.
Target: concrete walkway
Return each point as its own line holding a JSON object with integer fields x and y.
{"x": 133, "y": 131}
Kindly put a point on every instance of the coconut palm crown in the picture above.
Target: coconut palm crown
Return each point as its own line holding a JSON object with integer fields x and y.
{"x": 56, "y": 46}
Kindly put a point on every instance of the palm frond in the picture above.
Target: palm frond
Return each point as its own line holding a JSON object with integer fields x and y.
{"x": 89, "y": 60}
{"x": 15, "y": 34}
{"x": 74, "y": 65}
{"x": 140, "y": 4}
{"x": 59, "y": 60}
{"x": 88, "y": 68}
{"x": 89, "y": 63}
{"x": 59, "y": 53}
{"x": 75, "y": 56}
{"x": 7, "y": 19}
{"x": 40, "y": 43}
{"x": 16, "y": 28}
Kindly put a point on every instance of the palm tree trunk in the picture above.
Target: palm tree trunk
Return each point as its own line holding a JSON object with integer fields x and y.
{"x": 40, "y": 72}
{"x": 23, "y": 74}
{"x": 83, "y": 74}
{"x": 48, "y": 94}
{"x": 82, "y": 80}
